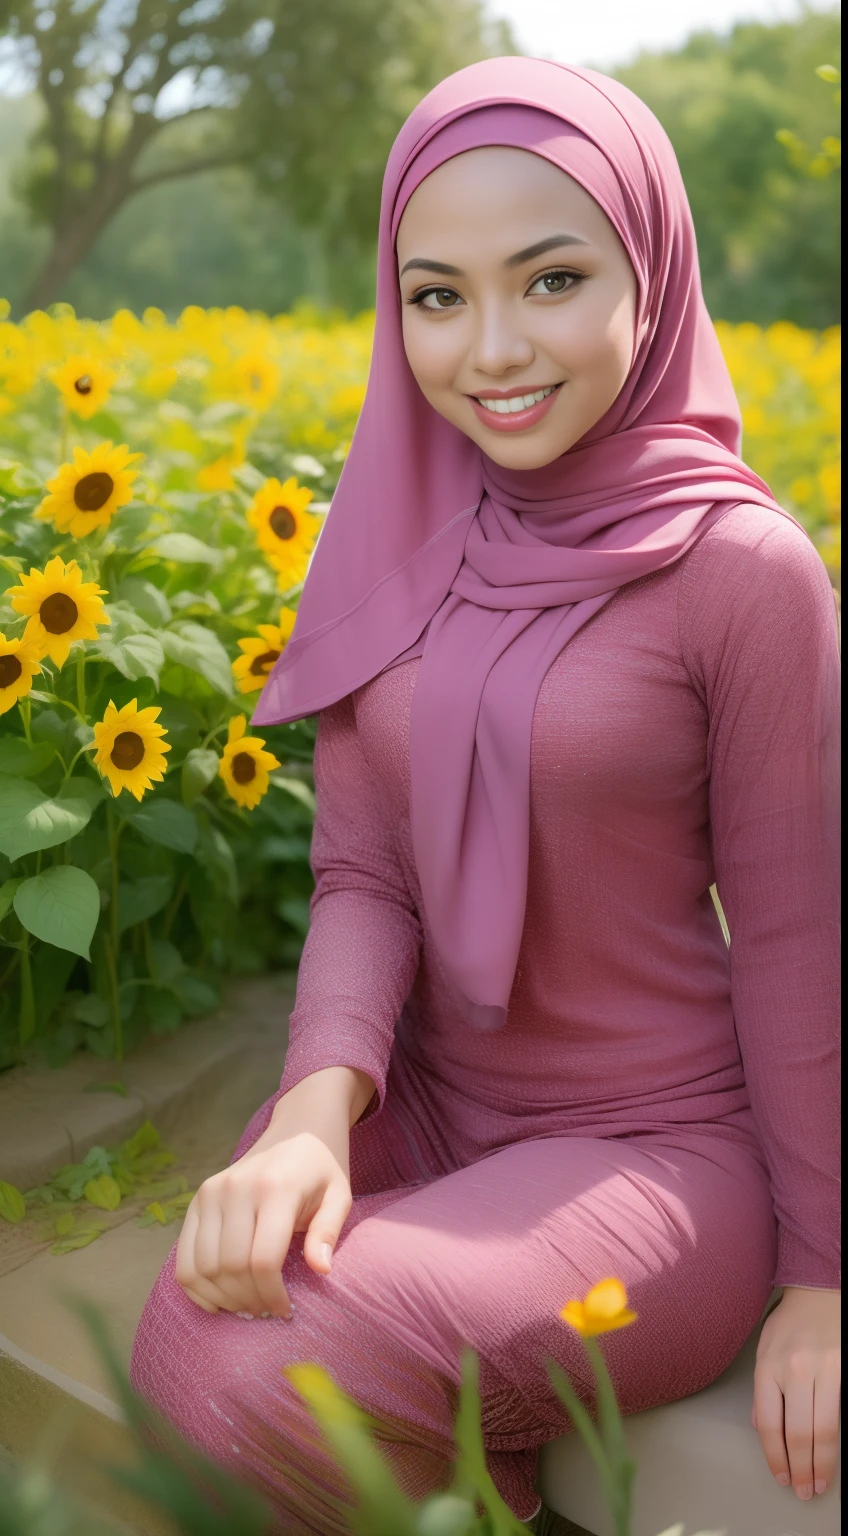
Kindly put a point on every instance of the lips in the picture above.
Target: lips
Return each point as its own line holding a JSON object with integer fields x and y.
{"x": 512, "y": 404}
{"x": 515, "y": 413}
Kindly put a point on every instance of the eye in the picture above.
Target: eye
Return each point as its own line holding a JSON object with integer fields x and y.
{"x": 444, "y": 298}
{"x": 556, "y": 281}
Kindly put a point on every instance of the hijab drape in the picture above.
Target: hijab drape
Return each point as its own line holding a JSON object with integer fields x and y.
{"x": 430, "y": 548}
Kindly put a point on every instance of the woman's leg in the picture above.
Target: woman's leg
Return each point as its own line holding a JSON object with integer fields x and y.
{"x": 485, "y": 1256}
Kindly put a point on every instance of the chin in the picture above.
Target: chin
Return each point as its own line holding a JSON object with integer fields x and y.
{"x": 513, "y": 454}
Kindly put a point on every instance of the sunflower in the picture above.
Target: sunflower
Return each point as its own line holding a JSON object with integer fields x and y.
{"x": 244, "y": 765}
{"x": 84, "y": 383}
{"x": 88, "y": 493}
{"x": 284, "y": 529}
{"x": 19, "y": 662}
{"x": 61, "y": 607}
{"x": 255, "y": 380}
{"x": 130, "y": 749}
{"x": 261, "y": 651}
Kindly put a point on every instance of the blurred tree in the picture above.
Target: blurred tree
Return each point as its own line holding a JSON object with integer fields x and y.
{"x": 307, "y": 96}
{"x": 768, "y": 236}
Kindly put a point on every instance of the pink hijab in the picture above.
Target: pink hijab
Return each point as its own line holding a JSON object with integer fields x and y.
{"x": 431, "y": 549}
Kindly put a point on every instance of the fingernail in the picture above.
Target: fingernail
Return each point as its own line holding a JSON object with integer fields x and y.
{"x": 821, "y": 1485}
{"x": 327, "y": 1254}
{"x": 804, "y": 1491}
{"x": 782, "y": 1478}
{"x": 248, "y": 1315}
{"x": 264, "y": 1314}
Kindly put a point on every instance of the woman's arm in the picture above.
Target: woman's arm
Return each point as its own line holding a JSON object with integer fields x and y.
{"x": 361, "y": 953}
{"x": 758, "y": 628}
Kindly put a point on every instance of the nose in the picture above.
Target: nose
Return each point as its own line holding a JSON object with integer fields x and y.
{"x": 498, "y": 342}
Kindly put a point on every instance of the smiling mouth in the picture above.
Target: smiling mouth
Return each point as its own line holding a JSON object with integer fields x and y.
{"x": 516, "y": 403}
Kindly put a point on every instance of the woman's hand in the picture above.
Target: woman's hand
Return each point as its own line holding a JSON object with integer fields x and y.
{"x": 294, "y": 1178}
{"x": 796, "y": 1389}
{"x": 239, "y": 1226}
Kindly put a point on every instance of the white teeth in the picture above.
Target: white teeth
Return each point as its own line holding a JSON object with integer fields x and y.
{"x": 518, "y": 402}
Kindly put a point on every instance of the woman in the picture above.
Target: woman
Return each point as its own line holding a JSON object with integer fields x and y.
{"x": 573, "y": 664}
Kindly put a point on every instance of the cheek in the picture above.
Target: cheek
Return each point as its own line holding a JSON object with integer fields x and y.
{"x": 432, "y": 352}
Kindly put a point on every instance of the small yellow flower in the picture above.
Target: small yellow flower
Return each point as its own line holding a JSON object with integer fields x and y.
{"x": 261, "y": 651}
{"x": 244, "y": 765}
{"x": 19, "y": 661}
{"x": 61, "y": 607}
{"x": 284, "y": 529}
{"x": 603, "y": 1310}
{"x": 255, "y": 380}
{"x": 87, "y": 494}
{"x": 84, "y": 382}
{"x": 130, "y": 750}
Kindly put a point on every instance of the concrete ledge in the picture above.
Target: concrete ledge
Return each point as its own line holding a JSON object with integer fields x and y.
{"x": 47, "y": 1118}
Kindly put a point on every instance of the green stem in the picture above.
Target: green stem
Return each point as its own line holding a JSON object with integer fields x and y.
{"x": 25, "y": 712}
{"x": 63, "y": 435}
{"x": 113, "y": 943}
{"x": 173, "y": 908}
{"x": 81, "y": 681}
{"x": 26, "y": 1019}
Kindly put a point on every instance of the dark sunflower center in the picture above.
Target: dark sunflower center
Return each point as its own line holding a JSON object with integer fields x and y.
{"x": 127, "y": 750}
{"x": 244, "y": 767}
{"x": 262, "y": 664}
{"x": 93, "y": 491}
{"x": 255, "y": 381}
{"x": 10, "y": 671}
{"x": 84, "y": 384}
{"x": 58, "y": 613}
{"x": 283, "y": 523}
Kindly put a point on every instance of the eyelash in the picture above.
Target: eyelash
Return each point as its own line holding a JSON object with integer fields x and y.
{"x": 418, "y": 298}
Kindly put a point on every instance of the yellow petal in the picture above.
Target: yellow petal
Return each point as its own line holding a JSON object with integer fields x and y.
{"x": 605, "y": 1300}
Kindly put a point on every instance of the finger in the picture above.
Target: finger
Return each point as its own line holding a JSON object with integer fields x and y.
{"x": 237, "y": 1230}
{"x": 207, "y": 1306}
{"x": 275, "y": 1221}
{"x": 798, "y": 1427}
{"x": 323, "y": 1230}
{"x": 193, "y": 1283}
{"x": 825, "y": 1427}
{"x": 768, "y": 1406}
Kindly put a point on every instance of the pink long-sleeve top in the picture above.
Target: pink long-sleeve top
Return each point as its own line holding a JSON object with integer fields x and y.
{"x": 688, "y": 735}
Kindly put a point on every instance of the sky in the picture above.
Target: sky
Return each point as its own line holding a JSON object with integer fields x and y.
{"x": 611, "y": 32}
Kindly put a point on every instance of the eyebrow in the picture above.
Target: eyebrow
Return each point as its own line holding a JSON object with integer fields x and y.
{"x": 426, "y": 265}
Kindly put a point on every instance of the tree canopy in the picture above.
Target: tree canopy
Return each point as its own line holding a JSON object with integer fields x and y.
{"x": 141, "y": 92}
{"x": 256, "y": 179}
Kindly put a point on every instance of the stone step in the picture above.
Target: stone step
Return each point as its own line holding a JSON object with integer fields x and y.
{"x": 199, "y": 1087}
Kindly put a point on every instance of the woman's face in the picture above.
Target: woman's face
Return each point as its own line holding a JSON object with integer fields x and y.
{"x": 514, "y": 281}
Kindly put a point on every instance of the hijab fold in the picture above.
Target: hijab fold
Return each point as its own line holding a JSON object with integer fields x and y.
{"x": 431, "y": 549}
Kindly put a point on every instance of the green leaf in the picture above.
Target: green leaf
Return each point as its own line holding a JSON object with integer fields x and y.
{"x": 7, "y": 894}
{"x": 296, "y": 788}
{"x": 295, "y": 910}
{"x": 61, "y": 906}
{"x": 78, "y": 1239}
{"x": 92, "y": 1010}
{"x": 196, "y": 995}
{"x": 145, "y": 1139}
{"x": 31, "y": 819}
{"x": 165, "y": 822}
{"x": 142, "y": 899}
{"x": 117, "y": 1087}
{"x": 12, "y": 1203}
{"x": 103, "y": 1192}
{"x": 19, "y": 758}
{"x": 128, "y": 527}
{"x": 136, "y": 656}
{"x": 185, "y": 549}
{"x": 198, "y": 648}
{"x": 163, "y": 1010}
{"x": 198, "y": 771}
{"x": 147, "y": 599}
{"x": 166, "y": 962}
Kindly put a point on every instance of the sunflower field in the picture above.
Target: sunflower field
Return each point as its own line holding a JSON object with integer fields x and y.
{"x": 162, "y": 486}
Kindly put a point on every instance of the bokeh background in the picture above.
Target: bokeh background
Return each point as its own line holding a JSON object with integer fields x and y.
{"x": 163, "y": 152}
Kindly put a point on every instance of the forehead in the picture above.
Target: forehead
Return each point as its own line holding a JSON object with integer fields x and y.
{"x": 496, "y": 191}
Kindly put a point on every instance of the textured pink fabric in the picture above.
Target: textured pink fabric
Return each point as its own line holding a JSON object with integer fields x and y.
{"x": 656, "y": 1106}
{"x": 504, "y": 567}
